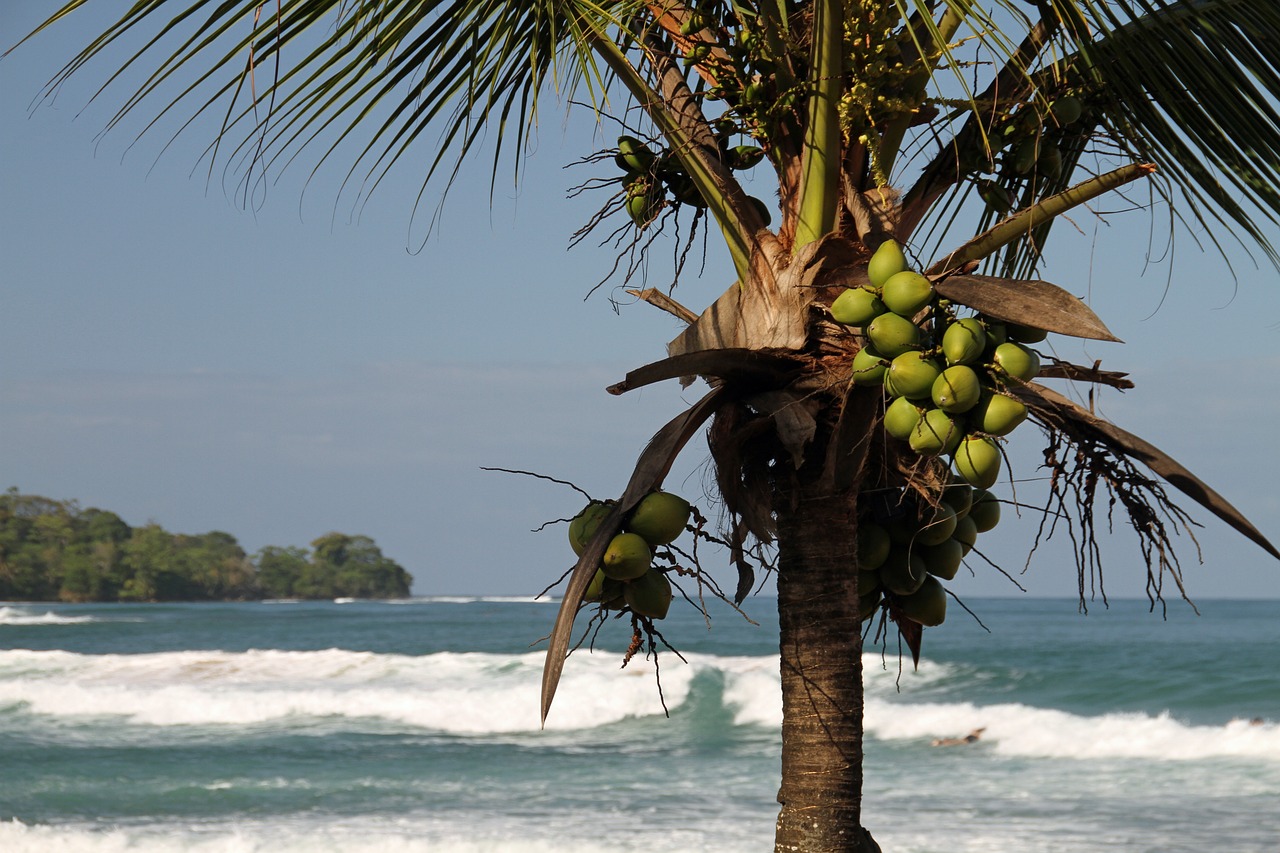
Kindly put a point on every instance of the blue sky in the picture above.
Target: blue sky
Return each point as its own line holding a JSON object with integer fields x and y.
{"x": 295, "y": 368}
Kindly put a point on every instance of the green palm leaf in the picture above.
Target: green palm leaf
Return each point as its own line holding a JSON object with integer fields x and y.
{"x": 321, "y": 73}
{"x": 1192, "y": 86}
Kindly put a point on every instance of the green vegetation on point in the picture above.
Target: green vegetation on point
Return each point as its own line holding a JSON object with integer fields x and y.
{"x": 55, "y": 551}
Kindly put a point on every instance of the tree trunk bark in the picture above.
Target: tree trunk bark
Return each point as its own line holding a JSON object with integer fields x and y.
{"x": 821, "y": 660}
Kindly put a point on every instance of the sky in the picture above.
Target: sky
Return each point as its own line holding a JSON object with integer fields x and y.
{"x": 307, "y": 363}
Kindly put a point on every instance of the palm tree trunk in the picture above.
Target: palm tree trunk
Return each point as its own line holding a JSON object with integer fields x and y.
{"x": 821, "y": 654}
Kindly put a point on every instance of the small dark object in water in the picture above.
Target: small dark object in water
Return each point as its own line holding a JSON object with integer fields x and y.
{"x": 971, "y": 737}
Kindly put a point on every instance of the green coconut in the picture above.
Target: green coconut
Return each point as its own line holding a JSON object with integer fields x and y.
{"x": 936, "y": 433}
{"x": 1050, "y": 160}
{"x": 901, "y": 417}
{"x": 1016, "y": 360}
{"x": 977, "y": 461}
{"x": 956, "y": 389}
{"x": 964, "y": 341}
{"x": 659, "y": 518}
{"x": 627, "y": 557}
{"x": 926, "y": 605}
{"x": 644, "y": 203}
{"x": 584, "y": 524}
{"x": 635, "y": 155}
{"x": 997, "y": 414}
{"x": 996, "y": 197}
{"x": 596, "y": 587}
{"x": 944, "y": 559}
{"x": 695, "y": 22}
{"x": 685, "y": 190}
{"x": 857, "y": 306}
{"x": 958, "y": 496}
{"x": 1022, "y": 159}
{"x": 936, "y": 525}
{"x": 986, "y": 511}
{"x": 1025, "y": 334}
{"x": 873, "y": 545}
{"x": 912, "y": 375}
{"x": 997, "y": 332}
{"x": 649, "y": 595}
{"x": 906, "y": 293}
{"x": 966, "y": 533}
{"x": 1066, "y": 110}
{"x": 904, "y": 572}
{"x": 868, "y": 367}
{"x": 887, "y": 261}
{"x": 605, "y": 590}
{"x": 892, "y": 335}
{"x": 762, "y": 209}
{"x": 744, "y": 156}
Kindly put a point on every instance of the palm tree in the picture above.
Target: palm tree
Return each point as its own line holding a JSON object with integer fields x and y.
{"x": 956, "y": 129}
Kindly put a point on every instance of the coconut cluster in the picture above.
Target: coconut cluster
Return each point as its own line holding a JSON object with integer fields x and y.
{"x": 948, "y": 381}
{"x": 1031, "y": 139}
{"x": 948, "y": 378}
{"x": 626, "y": 576}
{"x": 906, "y": 547}
{"x": 653, "y": 180}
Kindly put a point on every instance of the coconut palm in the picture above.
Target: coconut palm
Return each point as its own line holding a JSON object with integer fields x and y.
{"x": 957, "y": 129}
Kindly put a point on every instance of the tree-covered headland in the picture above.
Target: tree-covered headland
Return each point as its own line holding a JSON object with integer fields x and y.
{"x": 55, "y": 550}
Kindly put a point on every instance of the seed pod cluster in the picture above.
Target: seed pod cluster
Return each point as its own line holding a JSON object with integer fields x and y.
{"x": 1031, "y": 140}
{"x": 653, "y": 180}
{"x": 948, "y": 379}
{"x": 907, "y": 547}
{"x": 626, "y": 576}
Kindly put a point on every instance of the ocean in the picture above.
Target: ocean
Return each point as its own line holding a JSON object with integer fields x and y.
{"x": 393, "y": 727}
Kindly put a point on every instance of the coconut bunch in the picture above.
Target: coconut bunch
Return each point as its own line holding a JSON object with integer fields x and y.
{"x": 626, "y": 576}
{"x": 947, "y": 377}
{"x": 948, "y": 380}
{"x": 907, "y": 546}
{"x": 1031, "y": 142}
{"x": 653, "y": 179}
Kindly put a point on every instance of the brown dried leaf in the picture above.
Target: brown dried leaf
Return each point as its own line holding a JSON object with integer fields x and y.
{"x": 737, "y": 553}
{"x": 651, "y": 468}
{"x": 1038, "y": 396}
{"x": 912, "y": 632}
{"x": 771, "y": 314}
{"x": 1038, "y": 304}
{"x": 751, "y": 367}
{"x": 1077, "y": 373}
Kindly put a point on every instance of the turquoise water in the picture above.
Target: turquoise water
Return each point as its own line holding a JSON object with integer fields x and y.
{"x": 413, "y": 726}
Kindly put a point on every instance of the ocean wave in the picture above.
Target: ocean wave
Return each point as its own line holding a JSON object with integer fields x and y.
{"x": 481, "y": 694}
{"x": 386, "y": 835}
{"x": 21, "y": 616}
{"x": 461, "y": 693}
{"x": 1019, "y": 730}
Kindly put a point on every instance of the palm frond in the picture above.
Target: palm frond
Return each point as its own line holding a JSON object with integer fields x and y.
{"x": 1192, "y": 85}
{"x": 317, "y": 74}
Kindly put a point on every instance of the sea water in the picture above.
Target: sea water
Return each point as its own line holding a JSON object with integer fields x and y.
{"x": 358, "y": 727}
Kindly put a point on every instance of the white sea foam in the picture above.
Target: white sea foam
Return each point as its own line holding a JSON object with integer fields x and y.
{"x": 22, "y": 616}
{"x": 1019, "y": 730}
{"x": 473, "y": 693}
{"x": 355, "y": 836}
{"x": 461, "y": 693}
